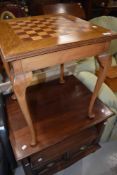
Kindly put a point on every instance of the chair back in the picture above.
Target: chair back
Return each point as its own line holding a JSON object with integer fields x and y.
{"x": 74, "y": 9}
{"x": 35, "y": 6}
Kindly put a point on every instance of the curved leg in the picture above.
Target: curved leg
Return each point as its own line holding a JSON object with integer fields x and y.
{"x": 19, "y": 87}
{"x": 20, "y": 82}
{"x": 104, "y": 62}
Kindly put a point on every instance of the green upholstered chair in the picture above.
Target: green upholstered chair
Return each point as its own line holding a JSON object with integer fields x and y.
{"x": 85, "y": 71}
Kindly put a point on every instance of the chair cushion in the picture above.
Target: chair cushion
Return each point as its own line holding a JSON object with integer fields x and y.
{"x": 87, "y": 64}
{"x": 105, "y": 94}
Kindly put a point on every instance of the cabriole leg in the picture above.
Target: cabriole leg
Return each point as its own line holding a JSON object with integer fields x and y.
{"x": 104, "y": 63}
{"x": 20, "y": 83}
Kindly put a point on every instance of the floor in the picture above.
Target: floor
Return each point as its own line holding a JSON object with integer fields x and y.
{"x": 102, "y": 162}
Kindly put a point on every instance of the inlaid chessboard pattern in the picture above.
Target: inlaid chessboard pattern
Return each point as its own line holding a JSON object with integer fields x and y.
{"x": 46, "y": 27}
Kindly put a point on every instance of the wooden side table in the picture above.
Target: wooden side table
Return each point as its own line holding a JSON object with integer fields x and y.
{"x": 33, "y": 43}
{"x": 65, "y": 134}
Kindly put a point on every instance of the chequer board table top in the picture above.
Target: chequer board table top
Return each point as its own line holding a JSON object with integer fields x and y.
{"x": 32, "y": 43}
{"x": 31, "y": 36}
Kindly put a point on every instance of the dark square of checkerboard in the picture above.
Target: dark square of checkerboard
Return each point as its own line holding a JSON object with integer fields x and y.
{"x": 27, "y": 39}
{"x": 33, "y": 25}
{"x": 46, "y": 36}
{"x": 14, "y": 24}
{"x": 21, "y": 33}
{"x": 38, "y": 30}
{"x": 27, "y": 29}
{"x": 51, "y": 32}
{"x": 33, "y": 35}
{"x": 28, "y": 22}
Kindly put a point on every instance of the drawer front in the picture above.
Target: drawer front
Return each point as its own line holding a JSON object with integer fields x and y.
{"x": 63, "y": 56}
{"x": 64, "y": 149}
{"x": 62, "y": 163}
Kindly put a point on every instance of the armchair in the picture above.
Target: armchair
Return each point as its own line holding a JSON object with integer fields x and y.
{"x": 85, "y": 71}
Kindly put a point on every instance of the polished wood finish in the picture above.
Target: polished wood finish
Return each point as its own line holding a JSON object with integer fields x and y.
{"x": 59, "y": 164}
{"x": 14, "y": 46}
{"x": 36, "y": 6}
{"x": 64, "y": 132}
{"x": 32, "y": 43}
{"x": 111, "y": 79}
{"x": 74, "y": 9}
{"x": 112, "y": 83}
{"x": 105, "y": 63}
{"x": 62, "y": 74}
{"x": 112, "y": 72}
{"x": 20, "y": 85}
{"x": 64, "y": 56}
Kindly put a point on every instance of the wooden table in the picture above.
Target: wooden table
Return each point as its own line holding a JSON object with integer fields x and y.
{"x": 64, "y": 132}
{"x": 29, "y": 44}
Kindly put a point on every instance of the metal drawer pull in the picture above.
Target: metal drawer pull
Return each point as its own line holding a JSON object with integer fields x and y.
{"x": 83, "y": 148}
{"x": 40, "y": 159}
{"x": 27, "y": 164}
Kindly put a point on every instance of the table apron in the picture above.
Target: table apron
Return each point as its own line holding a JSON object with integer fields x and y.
{"x": 59, "y": 57}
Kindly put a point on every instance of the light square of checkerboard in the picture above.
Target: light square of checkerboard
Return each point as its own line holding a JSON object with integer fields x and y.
{"x": 30, "y": 32}
{"x": 24, "y": 36}
{"x": 36, "y": 28}
{"x": 36, "y": 38}
{"x": 42, "y": 33}
{"x": 16, "y": 27}
{"x": 19, "y": 31}
{"x": 25, "y": 28}
{"x": 54, "y": 34}
{"x": 47, "y": 29}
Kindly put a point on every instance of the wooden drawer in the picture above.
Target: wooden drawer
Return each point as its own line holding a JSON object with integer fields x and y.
{"x": 60, "y": 164}
{"x": 64, "y": 150}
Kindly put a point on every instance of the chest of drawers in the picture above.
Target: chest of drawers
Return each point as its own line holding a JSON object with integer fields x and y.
{"x": 65, "y": 133}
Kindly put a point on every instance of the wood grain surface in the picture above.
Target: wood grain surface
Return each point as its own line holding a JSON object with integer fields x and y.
{"x": 58, "y": 111}
{"x": 31, "y": 36}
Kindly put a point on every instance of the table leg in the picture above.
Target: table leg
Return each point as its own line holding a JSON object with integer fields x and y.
{"x": 104, "y": 63}
{"x": 20, "y": 86}
{"x": 62, "y": 74}
{"x": 20, "y": 82}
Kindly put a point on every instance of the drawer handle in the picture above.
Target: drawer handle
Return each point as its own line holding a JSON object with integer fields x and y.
{"x": 83, "y": 148}
{"x": 40, "y": 159}
{"x": 27, "y": 164}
